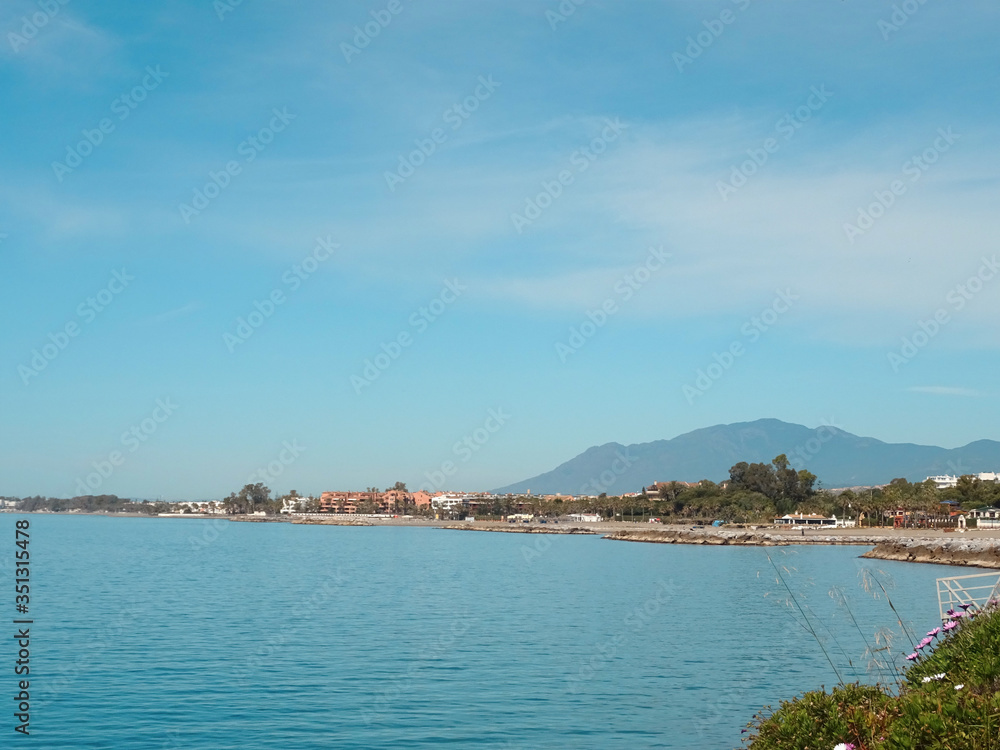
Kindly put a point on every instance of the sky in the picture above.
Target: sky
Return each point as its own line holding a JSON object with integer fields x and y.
{"x": 340, "y": 245}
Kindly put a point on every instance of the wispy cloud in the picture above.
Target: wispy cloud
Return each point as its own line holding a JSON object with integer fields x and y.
{"x": 178, "y": 312}
{"x": 944, "y": 390}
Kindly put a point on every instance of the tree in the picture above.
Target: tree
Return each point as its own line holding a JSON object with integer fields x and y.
{"x": 248, "y": 499}
{"x": 737, "y": 474}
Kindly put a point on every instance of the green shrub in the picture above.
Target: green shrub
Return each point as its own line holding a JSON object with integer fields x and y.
{"x": 948, "y": 700}
{"x": 819, "y": 720}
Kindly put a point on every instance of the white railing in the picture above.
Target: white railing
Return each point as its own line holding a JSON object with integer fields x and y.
{"x": 975, "y": 589}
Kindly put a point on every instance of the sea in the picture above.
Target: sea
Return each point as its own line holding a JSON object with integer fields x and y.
{"x": 193, "y": 633}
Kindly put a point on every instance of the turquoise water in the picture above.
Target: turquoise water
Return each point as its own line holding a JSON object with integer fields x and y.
{"x": 163, "y": 633}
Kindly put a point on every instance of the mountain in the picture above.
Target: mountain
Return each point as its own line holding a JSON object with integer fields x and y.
{"x": 836, "y": 457}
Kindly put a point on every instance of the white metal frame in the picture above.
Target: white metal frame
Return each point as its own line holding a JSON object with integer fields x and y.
{"x": 975, "y": 589}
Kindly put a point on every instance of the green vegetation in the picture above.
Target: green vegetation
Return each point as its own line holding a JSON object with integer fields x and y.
{"x": 753, "y": 493}
{"x": 947, "y": 700}
{"x": 87, "y": 504}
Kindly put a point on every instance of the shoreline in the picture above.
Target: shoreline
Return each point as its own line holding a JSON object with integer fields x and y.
{"x": 977, "y": 548}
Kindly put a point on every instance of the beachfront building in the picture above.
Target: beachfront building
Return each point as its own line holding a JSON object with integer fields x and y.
{"x": 294, "y": 504}
{"x": 584, "y": 517}
{"x": 421, "y": 499}
{"x": 449, "y": 502}
{"x": 344, "y": 502}
{"x": 986, "y": 518}
{"x": 805, "y": 519}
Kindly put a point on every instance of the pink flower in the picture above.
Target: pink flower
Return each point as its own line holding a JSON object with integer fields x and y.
{"x": 950, "y": 625}
{"x": 965, "y": 607}
{"x": 912, "y": 656}
{"x": 934, "y": 632}
{"x": 926, "y": 641}
{"x": 958, "y": 616}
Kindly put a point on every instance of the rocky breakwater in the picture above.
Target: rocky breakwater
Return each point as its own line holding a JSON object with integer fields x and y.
{"x": 979, "y": 553}
{"x": 676, "y": 536}
{"x": 744, "y": 537}
{"x": 332, "y": 522}
{"x": 518, "y": 529}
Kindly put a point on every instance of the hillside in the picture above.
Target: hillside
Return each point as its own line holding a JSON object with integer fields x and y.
{"x": 838, "y": 458}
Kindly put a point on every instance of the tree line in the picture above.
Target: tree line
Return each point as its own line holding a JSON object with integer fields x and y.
{"x": 753, "y": 493}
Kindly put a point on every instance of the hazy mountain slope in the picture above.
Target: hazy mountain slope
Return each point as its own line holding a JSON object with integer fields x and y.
{"x": 837, "y": 457}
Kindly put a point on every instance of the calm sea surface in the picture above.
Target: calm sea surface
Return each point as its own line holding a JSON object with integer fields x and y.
{"x": 163, "y": 633}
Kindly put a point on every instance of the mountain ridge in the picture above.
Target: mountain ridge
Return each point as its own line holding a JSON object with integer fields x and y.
{"x": 837, "y": 457}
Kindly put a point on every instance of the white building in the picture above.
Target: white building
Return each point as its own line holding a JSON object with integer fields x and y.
{"x": 811, "y": 519}
{"x": 585, "y": 517}
{"x": 943, "y": 481}
{"x": 448, "y": 502}
{"x": 986, "y": 518}
{"x": 294, "y": 504}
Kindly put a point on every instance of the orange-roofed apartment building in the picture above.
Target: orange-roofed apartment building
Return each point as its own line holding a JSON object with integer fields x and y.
{"x": 345, "y": 502}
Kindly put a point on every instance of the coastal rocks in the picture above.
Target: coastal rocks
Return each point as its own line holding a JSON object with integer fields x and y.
{"x": 975, "y": 553}
{"x": 512, "y": 529}
{"x": 981, "y": 553}
{"x": 331, "y": 522}
{"x": 694, "y": 537}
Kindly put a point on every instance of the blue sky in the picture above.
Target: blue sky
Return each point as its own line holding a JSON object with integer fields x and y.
{"x": 641, "y": 128}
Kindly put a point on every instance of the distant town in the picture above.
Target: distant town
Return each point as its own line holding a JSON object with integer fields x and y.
{"x": 756, "y": 493}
